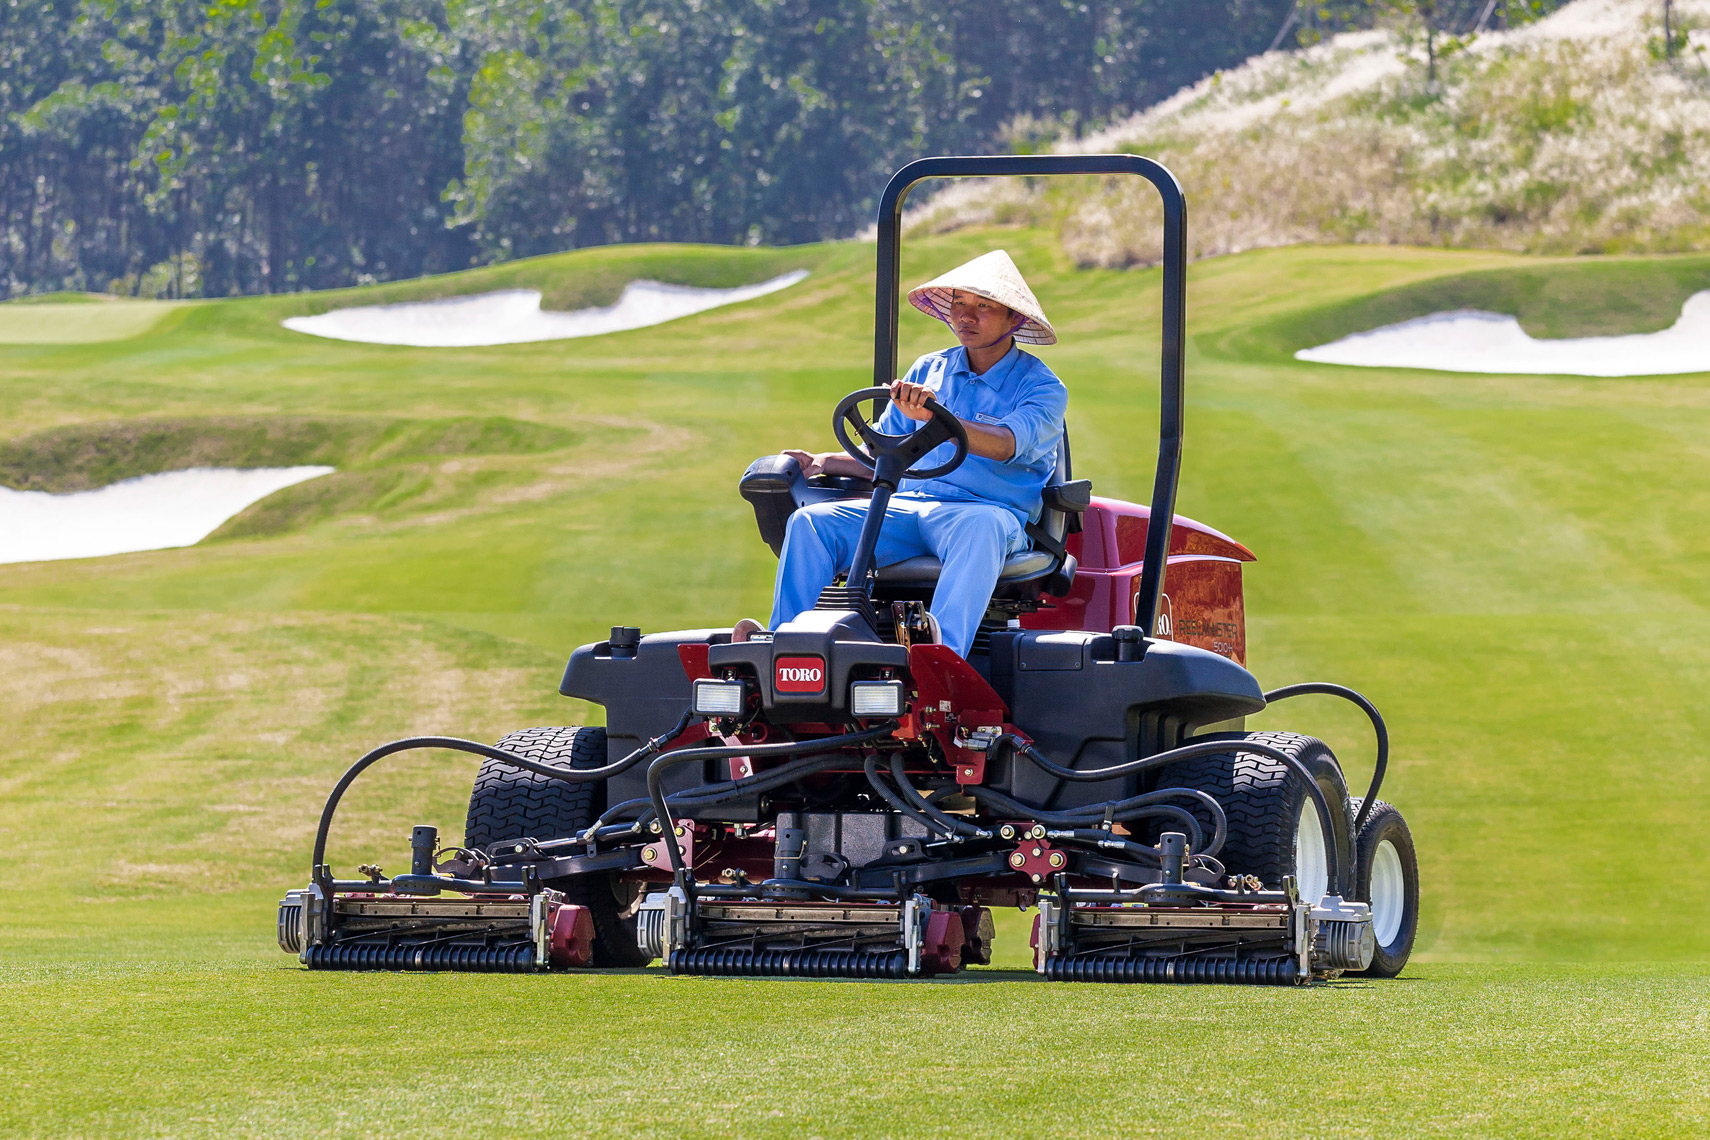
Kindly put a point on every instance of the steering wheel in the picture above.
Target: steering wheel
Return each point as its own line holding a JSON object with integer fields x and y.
{"x": 900, "y": 450}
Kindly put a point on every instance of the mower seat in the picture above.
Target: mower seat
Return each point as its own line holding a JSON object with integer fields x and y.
{"x": 775, "y": 487}
{"x": 924, "y": 569}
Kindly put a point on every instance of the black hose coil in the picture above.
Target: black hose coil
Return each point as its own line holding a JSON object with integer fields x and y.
{"x": 476, "y": 748}
{"x": 1338, "y": 873}
{"x": 656, "y": 773}
{"x": 1325, "y": 688}
{"x": 1121, "y": 811}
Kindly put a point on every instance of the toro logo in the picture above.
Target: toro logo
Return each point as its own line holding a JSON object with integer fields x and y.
{"x": 800, "y": 675}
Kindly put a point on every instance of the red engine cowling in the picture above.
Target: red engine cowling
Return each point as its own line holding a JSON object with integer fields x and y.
{"x": 1202, "y": 585}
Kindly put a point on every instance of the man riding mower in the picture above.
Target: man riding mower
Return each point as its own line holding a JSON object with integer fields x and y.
{"x": 847, "y": 793}
{"x": 970, "y": 514}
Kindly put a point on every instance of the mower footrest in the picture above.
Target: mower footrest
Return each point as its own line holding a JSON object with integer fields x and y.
{"x": 1227, "y": 971}
{"x": 509, "y": 958}
{"x": 737, "y": 962}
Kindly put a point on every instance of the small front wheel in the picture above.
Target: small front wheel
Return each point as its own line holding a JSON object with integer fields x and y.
{"x": 1388, "y": 880}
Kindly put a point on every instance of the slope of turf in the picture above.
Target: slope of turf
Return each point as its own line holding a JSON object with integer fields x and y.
{"x": 79, "y": 318}
{"x": 1552, "y": 300}
{"x": 1512, "y": 567}
{"x": 79, "y": 457}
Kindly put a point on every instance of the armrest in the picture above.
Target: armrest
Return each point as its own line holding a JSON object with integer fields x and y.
{"x": 770, "y": 473}
{"x": 774, "y": 487}
{"x": 1070, "y": 498}
{"x": 769, "y": 486}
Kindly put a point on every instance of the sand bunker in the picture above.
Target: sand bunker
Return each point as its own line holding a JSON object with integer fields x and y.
{"x": 153, "y": 512}
{"x": 1474, "y": 341}
{"x": 514, "y": 316}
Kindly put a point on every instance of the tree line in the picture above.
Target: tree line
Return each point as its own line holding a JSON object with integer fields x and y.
{"x": 214, "y": 147}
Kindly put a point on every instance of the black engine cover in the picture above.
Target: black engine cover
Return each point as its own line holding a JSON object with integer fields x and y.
{"x": 1086, "y": 709}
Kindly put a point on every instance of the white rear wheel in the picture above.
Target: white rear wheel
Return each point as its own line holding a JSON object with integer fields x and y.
{"x": 1389, "y": 893}
{"x": 1311, "y": 860}
{"x": 1387, "y": 877}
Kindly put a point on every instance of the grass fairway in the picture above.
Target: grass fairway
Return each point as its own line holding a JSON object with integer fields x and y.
{"x": 1514, "y": 568}
{"x": 264, "y": 1050}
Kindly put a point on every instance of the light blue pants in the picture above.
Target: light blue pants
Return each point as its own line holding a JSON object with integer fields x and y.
{"x": 970, "y": 539}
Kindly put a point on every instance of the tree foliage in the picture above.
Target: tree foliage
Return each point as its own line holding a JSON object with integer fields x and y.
{"x": 225, "y": 146}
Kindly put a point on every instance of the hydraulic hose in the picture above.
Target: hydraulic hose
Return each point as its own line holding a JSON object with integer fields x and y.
{"x": 1184, "y": 752}
{"x": 913, "y": 796}
{"x": 1135, "y": 807}
{"x": 710, "y": 794}
{"x": 1191, "y": 752}
{"x": 896, "y": 802}
{"x": 1121, "y": 811}
{"x": 615, "y": 811}
{"x": 475, "y": 748}
{"x": 656, "y": 774}
{"x": 1105, "y": 841}
{"x": 705, "y": 796}
{"x": 1325, "y": 688}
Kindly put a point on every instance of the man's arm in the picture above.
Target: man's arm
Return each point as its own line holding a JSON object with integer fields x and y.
{"x": 1037, "y": 422}
{"x": 988, "y": 441}
{"x": 829, "y": 463}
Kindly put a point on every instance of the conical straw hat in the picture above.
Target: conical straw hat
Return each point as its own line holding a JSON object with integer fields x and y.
{"x": 993, "y": 276}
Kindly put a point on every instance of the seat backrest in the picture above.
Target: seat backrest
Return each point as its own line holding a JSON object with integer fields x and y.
{"x": 1054, "y": 522}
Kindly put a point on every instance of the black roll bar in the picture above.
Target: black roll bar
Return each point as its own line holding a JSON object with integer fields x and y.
{"x": 1172, "y": 399}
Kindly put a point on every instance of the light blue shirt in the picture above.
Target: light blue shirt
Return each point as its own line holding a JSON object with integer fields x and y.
{"x": 1018, "y": 392}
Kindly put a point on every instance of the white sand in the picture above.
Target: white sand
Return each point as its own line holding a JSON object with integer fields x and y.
{"x": 1474, "y": 341}
{"x": 152, "y": 512}
{"x": 514, "y": 316}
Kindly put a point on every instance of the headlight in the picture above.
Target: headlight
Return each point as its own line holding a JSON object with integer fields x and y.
{"x": 719, "y": 698}
{"x": 876, "y": 698}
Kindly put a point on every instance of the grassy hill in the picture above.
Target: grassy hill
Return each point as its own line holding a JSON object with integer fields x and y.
{"x": 1514, "y": 568}
{"x": 1579, "y": 134}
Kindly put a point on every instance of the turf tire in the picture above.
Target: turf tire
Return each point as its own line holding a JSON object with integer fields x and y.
{"x": 1264, "y": 800}
{"x": 509, "y": 803}
{"x": 1385, "y": 825}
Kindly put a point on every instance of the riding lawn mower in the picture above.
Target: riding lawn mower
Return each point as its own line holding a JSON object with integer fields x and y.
{"x": 843, "y": 797}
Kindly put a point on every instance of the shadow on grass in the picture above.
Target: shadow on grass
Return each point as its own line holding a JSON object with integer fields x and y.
{"x": 988, "y": 975}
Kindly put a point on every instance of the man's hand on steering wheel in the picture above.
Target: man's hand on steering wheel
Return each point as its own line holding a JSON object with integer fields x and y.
{"x": 910, "y": 399}
{"x": 985, "y": 440}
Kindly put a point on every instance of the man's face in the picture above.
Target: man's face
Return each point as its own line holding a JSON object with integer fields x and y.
{"x": 977, "y": 321}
